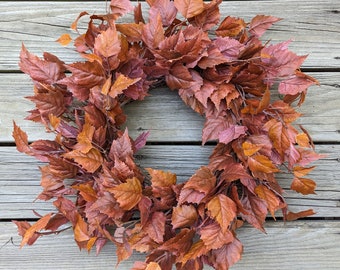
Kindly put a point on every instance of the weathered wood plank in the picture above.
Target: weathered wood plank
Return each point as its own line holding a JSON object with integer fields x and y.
{"x": 312, "y": 245}
{"x": 313, "y": 25}
{"x": 20, "y": 178}
{"x": 165, "y": 115}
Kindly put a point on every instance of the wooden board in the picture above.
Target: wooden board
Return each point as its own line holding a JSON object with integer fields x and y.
{"x": 165, "y": 115}
{"x": 313, "y": 25}
{"x": 20, "y": 178}
{"x": 312, "y": 245}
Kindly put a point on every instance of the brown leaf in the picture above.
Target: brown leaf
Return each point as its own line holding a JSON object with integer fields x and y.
{"x": 189, "y": 8}
{"x": 228, "y": 255}
{"x": 260, "y": 23}
{"x": 64, "y": 39}
{"x": 81, "y": 231}
{"x": 261, "y": 163}
{"x": 120, "y": 84}
{"x": 161, "y": 178}
{"x": 85, "y": 138}
{"x": 21, "y": 139}
{"x": 90, "y": 161}
{"x": 183, "y": 216}
{"x": 132, "y": 31}
{"x": 213, "y": 237}
{"x": 231, "y": 133}
{"x": 294, "y": 216}
{"x": 231, "y": 27}
{"x": 74, "y": 25}
{"x": 36, "y": 227}
{"x": 298, "y": 83}
{"x": 128, "y": 194}
{"x": 47, "y": 72}
{"x": 202, "y": 181}
{"x": 153, "y": 32}
{"x": 223, "y": 210}
{"x": 120, "y": 7}
{"x": 304, "y": 186}
{"x": 155, "y": 227}
{"x": 302, "y": 171}
{"x": 273, "y": 202}
{"x": 197, "y": 249}
{"x": 108, "y": 43}
{"x": 250, "y": 149}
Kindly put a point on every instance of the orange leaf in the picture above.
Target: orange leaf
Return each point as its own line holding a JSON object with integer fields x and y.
{"x": 90, "y": 243}
{"x": 261, "y": 163}
{"x": 84, "y": 138}
{"x": 189, "y": 8}
{"x": 293, "y": 216}
{"x": 74, "y": 25}
{"x": 223, "y": 210}
{"x": 231, "y": 27}
{"x": 128, "y": 194}
{"x": 302, "y": 140}
{"x": 273, "y": 202}
{"x": 302, "y": 171}
{"x": 197, "y": 249}
{"x": 64, "y": 39}
{"x": 121, "y": 83}
{"x": 278, "y": 135}
{"x": 203, "y": 181}
{"x": 36, "y": 227}
{"x": 161, "y": 178}
{"x": 81, "y": 230}
{"x": 153, "y": 266}
{"x": 90, "y": 161}
{"x": 21, "y": 139}
{"x": 260, "y": 23}
{"x": 303, "y": 185}
{"x": 183, "y": 215}
{"x": 250, "y": 149}
{"x": 86, "y": 191}
{"x": 132, "y": 31}
{"x": 213, "y": 237}
{"x": 108, "y": 43}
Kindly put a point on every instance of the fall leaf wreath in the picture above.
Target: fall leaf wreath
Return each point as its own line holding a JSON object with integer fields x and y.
{"x": 245, "y": 90}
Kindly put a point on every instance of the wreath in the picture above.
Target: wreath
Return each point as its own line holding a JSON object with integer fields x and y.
{"x": 245, "y": 89}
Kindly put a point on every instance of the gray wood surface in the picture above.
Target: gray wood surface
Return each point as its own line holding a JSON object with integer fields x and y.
{"x": 165, "y": 115}
{"x": 312, "y": 245}
{"x": 313, "y": 26}
{"x": 19, "y": 190}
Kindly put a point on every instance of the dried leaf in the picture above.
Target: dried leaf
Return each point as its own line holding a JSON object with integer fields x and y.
{"x": 183, "y": 216}
{"x": 303, "y": 185}
{"x": 189, "y": 8}
{"x": 64, "y": 39}
{"x": 128, "y": 194}
{"x": 223, "y": 210}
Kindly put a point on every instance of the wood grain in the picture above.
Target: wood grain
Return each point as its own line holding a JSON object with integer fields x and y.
{"x": 165, "y": 115}
{"x": 311, "y": 245}
{"x": 20, "y": 178}
{"x": 314, "y": 26}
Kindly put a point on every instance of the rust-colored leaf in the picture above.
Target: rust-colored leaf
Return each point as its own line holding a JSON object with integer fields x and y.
{"x": 161, "y": 178}
{"x": 303, "y": 185}
{"x": 189, "y": 8}
{"x": 273, "y": 202}
{"x": 223, "y": 210}
{"x": 183, "y": 215}
{"x": 128, "y": 194}
{"x": 90, "y": 161}
{"x": 36, "y": 227}
{"x": 261, "y": 163}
